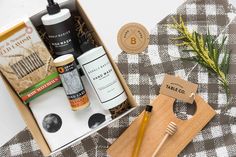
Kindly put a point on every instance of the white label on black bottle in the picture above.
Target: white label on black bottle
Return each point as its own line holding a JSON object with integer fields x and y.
{"x": 103, "y": 78}
{"x": 62, "y": 37}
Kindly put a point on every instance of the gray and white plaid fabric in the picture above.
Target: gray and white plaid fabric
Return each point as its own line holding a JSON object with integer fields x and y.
{"x": 162, "y": 56}
{"x": 144, "y": 74}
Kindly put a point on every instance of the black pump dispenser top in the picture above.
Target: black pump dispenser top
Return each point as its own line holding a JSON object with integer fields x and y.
{"x": 53, "y": 7}
{"x": 85, "y": 44}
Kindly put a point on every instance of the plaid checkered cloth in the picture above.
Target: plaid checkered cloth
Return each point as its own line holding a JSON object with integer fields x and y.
{"x": 163, "y": 57}
{"x": 144, "y": 73}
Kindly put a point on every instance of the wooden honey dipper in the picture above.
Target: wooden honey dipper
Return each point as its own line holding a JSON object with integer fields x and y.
{"x": 170, "y": 130}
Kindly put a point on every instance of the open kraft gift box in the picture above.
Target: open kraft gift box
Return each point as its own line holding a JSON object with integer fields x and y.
{"x": 25, "y": 111}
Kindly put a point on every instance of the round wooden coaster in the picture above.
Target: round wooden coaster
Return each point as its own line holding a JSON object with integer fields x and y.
{"x": 133, "y": 38}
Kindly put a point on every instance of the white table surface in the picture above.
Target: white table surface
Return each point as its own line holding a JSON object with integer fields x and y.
{"x": 106, "y": 15}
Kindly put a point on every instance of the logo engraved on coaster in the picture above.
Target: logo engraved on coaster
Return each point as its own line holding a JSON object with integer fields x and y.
{"x": 133, "y": 38}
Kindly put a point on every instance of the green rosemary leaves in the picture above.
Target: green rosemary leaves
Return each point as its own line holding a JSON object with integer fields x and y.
{"x": 207, "y": 51}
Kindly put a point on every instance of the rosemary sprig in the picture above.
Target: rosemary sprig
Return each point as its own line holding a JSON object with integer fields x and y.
{"x": 207, "y": 50}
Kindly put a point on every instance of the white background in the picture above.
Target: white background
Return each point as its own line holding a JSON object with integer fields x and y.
{"x": 106, "y": 15}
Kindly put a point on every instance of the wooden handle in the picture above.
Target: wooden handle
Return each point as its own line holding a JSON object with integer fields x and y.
{"x": 160, "y": 145}
{"x": 170, "y": 130}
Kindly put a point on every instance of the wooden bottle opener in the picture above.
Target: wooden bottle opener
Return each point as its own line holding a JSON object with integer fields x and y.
{"x": 162, "y": 115}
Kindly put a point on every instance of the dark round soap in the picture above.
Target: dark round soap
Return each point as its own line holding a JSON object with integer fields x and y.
{"x": 95, "y": 120}
{"x": 52, "y": 123}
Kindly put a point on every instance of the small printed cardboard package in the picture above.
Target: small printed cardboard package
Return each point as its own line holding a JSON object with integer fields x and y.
{"x": 26, "y": 62}
{"x": 54, "y": 124}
